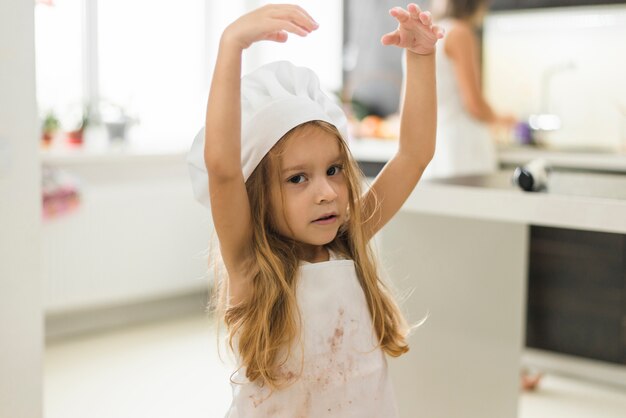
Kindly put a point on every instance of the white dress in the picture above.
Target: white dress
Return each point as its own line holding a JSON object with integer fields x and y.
{"x": 464, "y": 145}
{"x": 343, "y": 373}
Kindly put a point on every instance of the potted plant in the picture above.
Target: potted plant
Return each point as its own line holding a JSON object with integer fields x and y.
{"x": 76, "y": 136}
{"x": 117, "y": 121}
{"x": 49, "y": 128}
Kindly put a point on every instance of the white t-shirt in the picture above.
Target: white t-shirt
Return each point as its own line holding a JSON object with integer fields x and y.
{"x": 464, "y": 145}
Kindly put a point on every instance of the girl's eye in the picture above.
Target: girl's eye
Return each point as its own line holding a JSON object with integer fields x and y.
{"x": 334, "y": 170}
{"x": 296, "y": 179}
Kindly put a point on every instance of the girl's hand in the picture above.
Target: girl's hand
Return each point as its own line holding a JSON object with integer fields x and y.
{"x": 272, "y": 22}
{"x": 415, "y": 32}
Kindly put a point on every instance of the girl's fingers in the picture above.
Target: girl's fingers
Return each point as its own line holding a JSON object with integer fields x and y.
{"x": 415, "y": 31}
{"x": 413, "y": 13}
{"x": 400, "y": 14}
{"x": 293, "y": 28}
{"x": 425, "y": 18}
{"x": 297, "y": 16}
{"x": 391, "y": 38}
{"x": 278, "y": 36}
{"x": 303, "y": 19}
{"x": 307, "y": 15}
{"x": 414, "y": 10}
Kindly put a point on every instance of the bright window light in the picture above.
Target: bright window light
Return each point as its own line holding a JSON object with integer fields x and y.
{"x": 58, "y": 43}
{"x": 153, "y": 60}
{"x": 151, "y": 64}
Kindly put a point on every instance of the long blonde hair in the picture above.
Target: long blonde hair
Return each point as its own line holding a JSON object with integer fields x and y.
{"x": 267, "y": 321}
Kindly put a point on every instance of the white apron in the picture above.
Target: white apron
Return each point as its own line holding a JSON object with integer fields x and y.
{"x": 344, "y": 374}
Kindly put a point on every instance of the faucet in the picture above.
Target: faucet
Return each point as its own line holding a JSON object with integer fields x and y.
{"x": 546, "y": 80}
{"x": 546, "y": 121}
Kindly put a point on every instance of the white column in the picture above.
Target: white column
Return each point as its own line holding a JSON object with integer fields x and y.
{"x": 21, "y": 322}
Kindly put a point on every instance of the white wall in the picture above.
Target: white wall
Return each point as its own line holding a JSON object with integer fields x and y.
{"x": 585, "y": 48}
{"x": 21, "y": 327}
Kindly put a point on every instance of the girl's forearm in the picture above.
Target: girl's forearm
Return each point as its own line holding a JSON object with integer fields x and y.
{"x": 418, "y": 125}
{"x": 222, "y": 149}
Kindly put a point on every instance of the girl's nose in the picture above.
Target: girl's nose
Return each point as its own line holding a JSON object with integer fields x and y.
{"x": 325, "y": 192}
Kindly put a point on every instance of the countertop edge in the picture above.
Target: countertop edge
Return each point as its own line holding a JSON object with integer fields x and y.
{"x": 593, "y": 214}
{"x": 110, "y": 156}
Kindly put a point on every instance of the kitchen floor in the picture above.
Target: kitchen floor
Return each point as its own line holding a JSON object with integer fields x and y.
{"x": 172, "y": 369}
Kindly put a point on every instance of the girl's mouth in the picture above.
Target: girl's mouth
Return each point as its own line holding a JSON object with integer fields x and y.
{"x": 326, "y": 219}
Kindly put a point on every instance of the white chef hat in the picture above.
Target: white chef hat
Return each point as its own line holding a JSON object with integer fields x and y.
{"x": 275, "y": 98}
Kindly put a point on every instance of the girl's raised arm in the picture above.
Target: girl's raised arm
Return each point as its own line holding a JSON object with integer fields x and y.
{"x": 222, "y": 153}
{"x": 418, "y": 124}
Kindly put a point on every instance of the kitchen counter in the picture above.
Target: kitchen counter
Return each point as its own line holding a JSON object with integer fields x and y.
{"x": 580, "y": 200}
{"x": 461, "y": 246}
{"x": 586, "y": 201}
{"x": 460, "y": 250}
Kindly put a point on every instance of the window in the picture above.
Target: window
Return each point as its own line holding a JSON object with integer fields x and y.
{"x": 59, "y": 69}
{"x": 140, "y": 58}
{"x": 152, "y": 61}
{"x": 151, "y": 64}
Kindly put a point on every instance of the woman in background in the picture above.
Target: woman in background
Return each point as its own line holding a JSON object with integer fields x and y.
{"x": 464, "y": 143}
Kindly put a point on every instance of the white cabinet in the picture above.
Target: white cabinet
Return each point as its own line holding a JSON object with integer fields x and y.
{"x": 138, "y": 234}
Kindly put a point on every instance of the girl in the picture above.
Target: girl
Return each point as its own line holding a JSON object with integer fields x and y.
{"x": 464, "y": 144}
{"x": 308, "y": 316}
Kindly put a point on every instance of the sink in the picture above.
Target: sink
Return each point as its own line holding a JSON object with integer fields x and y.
{"x": 586, "y": 184}
{"x": 608, "y": 186}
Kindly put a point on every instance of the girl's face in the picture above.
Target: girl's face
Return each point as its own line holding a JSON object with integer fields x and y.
{"x": 310, "y": 195}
